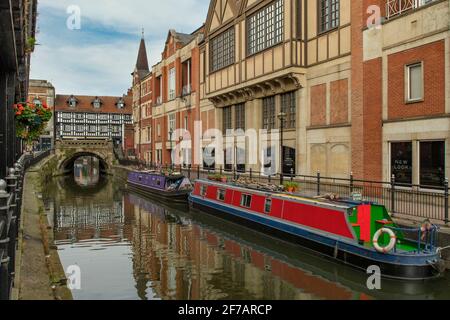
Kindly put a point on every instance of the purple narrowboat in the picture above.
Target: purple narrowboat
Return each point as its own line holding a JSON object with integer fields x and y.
{"x": 172, "y": 187}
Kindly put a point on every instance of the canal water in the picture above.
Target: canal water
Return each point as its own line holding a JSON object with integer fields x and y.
{"x": 129, "y": 247}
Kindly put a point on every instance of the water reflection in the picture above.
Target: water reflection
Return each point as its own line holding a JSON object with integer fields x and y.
{"x": 129, "y": 247}
{"x": 86, "y": 171}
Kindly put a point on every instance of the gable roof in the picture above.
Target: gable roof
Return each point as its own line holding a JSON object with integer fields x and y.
{"x": 84, "y": 104}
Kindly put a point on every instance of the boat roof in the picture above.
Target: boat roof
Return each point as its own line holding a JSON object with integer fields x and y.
{"x": 175, "y": 175}
{"x": 339, "y": 204}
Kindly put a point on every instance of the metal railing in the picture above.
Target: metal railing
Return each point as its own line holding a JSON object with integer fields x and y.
{"x": 397, "y": 7}
{"x": 10, "y": 209}
{"x": 412, "y": 201}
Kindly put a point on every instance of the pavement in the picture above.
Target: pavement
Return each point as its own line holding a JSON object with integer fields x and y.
{"x": 39, "y": 275}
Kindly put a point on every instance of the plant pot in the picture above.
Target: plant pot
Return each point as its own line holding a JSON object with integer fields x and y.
{"x": 224, "y": 180}
{"x": 290, "y": 189}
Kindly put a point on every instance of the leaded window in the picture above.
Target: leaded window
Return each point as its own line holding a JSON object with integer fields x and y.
{"x": 227, "y": 124}
{"x": 288, "y": 106}
{"x": 222, "y": 50}
{"x": 265, "y": 27}
{"x": 239, "y": 113}
{"x": 328, "y": 15}
{"x": 269, "y": 113}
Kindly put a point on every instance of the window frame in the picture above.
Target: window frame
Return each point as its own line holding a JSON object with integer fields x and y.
{"x": 269, "y": 113}
{"x": 408, "y": 90}
{"x": 219, "y": 193}
{"x": 265, "y": 205}
{"x": 288, "y": 102}
{"x": 328, "y": 26}
{"x": 222, "y": 50}
{"x": 227, "y": 119}
{"x": 246, "y": 196}
{"x": 239, "y": 116}
{"x": 171, "y": 87}
{"x": 261, "y": 28}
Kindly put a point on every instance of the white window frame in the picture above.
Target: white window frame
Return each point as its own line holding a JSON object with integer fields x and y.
{"x": 172, "y": 84}
{"x": 172, "y": 119}
{"x": 408, "y": 67}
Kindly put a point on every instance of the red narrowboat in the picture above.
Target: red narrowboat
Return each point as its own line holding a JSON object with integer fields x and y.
{"x": 357, "y": 233}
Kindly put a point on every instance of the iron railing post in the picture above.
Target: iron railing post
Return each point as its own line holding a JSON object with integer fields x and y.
{"x": 189, "y": 172}
{"x": 251, "y": 174}
{"x": 351, "y": 182}
{"x": 393, "y": 194}
{"x": 4, "y": 243}
{"x": 446, "y": 201}
{"x": 292, "y": 174}
{"x": 318, "y": 183}
{"x": 198, "y": 172}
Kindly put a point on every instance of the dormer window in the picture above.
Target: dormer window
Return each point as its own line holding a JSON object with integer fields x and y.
{"x": 97, "y": 103}
{"x": 72, "y": 101}
{"x": 37, "y": 102}
{"x": 120, "y": 104}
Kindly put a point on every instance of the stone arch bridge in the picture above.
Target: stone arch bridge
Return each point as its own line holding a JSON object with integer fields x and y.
{"x": 68, "y": 151}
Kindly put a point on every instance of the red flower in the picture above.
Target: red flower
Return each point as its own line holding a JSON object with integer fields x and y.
{"x": 18, "y": 113}
{"x": 20, "y": 105}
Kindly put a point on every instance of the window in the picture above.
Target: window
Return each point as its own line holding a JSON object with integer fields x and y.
{"x": 226, "y": 124}
{"x": 116, "y": 129}
{"x": 432, "y": 163}
{"x": 158, "y": 129}
{"x": 97, "y": 103}
{"x": 239, "y": 114}
{"x": 149, "y": 134}
{"x": 222, "y": 51}
{"x": 92, "y": 129}
{"x": 288, "y": 106}
{"x": 414, "y": 74}
{"x": 79, "y": 116}
{"x": 268, "y": 205}
{"x": 401, "y": 162}
{"x": 80, "y": 129}
{"x": 172, "y": 120}
{"x": 91, "y": 116}
{"x": 221, "y": 194}
{"x": 203, "y": 190}
{"x": 328, "y": 15}
{"x": 172, "y": 75}
{"x": 72, "y": 102}
{"x": 104, "y": 129}
{"x": 246, "y": 201}
{"x": 67, "y": 116}
{"x": 67, "y": 128}
{"x": 103, "y": 117}
{"x": 266, "y": 27}
{"x": 269, "y": 113}
{"x": 121, "y": 103}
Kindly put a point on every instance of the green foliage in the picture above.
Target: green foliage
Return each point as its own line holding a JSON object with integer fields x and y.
{"x": 288, "y": 185}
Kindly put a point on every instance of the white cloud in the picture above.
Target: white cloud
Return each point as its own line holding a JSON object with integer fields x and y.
{"x": 98, "y": 59}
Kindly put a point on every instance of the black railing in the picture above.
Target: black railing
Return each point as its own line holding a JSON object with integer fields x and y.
{"x": 10, "y": 214}
{"x": 413, "y": 201}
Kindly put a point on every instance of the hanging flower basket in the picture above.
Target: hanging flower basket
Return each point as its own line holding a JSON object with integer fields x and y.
{"x": 31, "y": 120}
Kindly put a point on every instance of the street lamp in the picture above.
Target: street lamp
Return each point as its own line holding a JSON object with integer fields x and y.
{"x": 171, "y": 147}
{"x": 282, "y": 118}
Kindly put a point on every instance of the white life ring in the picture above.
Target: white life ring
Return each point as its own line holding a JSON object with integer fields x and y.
{"x": 391, "y": 244}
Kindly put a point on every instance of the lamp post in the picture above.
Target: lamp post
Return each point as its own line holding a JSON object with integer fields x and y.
{"x": 171, "y": 147}
{"x": 282, "y": 118}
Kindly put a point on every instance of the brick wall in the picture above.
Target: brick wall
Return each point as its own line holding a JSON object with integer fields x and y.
{"x": 433, "y": 57}
{"x": 318, "y": 105}
{"x": 372, "y": 120}
{"x": 339, "y": 101}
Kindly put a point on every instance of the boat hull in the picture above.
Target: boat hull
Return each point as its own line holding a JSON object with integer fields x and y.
{"x": 391, "y": 266}
{"x": 162, "y": 195}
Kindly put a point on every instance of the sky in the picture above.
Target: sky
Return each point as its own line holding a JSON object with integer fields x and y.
{"x": 97, "y": 59}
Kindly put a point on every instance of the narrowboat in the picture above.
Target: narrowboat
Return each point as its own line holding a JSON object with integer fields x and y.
{"x": 357, "y": 233}
{"x": 172, "y": 187}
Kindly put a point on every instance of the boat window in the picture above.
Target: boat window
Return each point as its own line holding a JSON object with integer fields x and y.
{"x": 140, "y": 178}
{"x": 203, "y": 189}
{"x": 158, "y": 182}
{"x": 221, "y": 195}
{"x": 246, "y": 200}
{"x": 268, "y": 205}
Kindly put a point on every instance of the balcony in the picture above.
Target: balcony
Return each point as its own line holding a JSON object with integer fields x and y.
{"x": 398, "y": 7}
